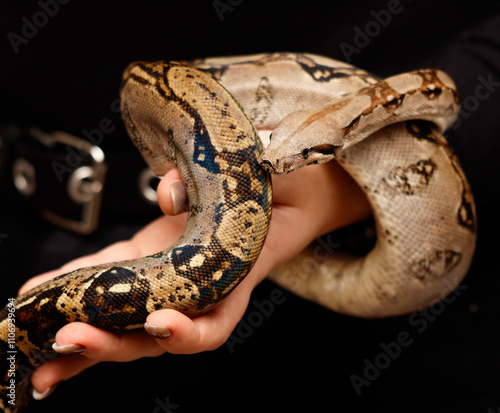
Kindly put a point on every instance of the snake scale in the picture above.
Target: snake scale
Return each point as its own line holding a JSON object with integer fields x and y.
{"x": 387, "y": 134}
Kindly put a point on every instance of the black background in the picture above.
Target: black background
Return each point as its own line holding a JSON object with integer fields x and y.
{"x": 300, "y": 357}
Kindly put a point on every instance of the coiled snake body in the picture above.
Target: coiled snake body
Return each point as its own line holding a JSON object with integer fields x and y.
{"x": 378, "y": 130}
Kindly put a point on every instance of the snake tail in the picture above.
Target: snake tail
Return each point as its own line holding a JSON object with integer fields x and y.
{"x": 178, "y": 115}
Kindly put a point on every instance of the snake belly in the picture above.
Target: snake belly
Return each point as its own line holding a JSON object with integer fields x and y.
{"x": 178, "y": 115}
{"x": 388, "y": 135}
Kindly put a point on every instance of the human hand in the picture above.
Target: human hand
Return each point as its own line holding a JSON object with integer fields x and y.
{"x": 306, "y": 204}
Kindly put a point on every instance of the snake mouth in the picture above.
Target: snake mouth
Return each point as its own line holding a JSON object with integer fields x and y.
{"x": 289, "y": 164}
{"x": 278, "y": 167}
{"x": 268, "y": 166}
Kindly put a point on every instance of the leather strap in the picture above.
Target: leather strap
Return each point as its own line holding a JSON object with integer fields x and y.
{"x": 71, "y": 182}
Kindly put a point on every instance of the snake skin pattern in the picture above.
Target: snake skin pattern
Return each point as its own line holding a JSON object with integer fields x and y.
{"x": 387, "y": 134}
{"x": 378, "y": 130}
{"x": 178, "y": 114}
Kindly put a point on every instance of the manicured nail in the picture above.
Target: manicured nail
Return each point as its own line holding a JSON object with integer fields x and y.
{"x": 158, "y": 331}
{"x": 40, "y": 396}
{"x": 179, "y": 196}
{"x": 69, "y": 348}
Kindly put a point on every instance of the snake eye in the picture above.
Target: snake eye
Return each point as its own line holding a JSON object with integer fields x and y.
{"x": 270, "y": 136}
{"x": 305, "y": 153}
{"x": 326, "y": 149}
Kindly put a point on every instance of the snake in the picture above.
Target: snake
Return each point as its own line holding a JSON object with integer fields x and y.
{"x": 202, "y": 116}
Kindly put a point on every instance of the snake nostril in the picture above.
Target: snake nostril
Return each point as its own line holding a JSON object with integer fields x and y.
{"x": 268, "y": 166}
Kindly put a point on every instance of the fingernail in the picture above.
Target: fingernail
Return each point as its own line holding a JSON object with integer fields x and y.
{"x": 40, "y": 396}
{"x": 179, "y": 196}
{"x": 69, "y": 348}
{"x": 158, "y": 331}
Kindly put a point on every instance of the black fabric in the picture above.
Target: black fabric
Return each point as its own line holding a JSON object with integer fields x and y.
{"x": 55, "y": 165}
{"x": 287, "y": 354}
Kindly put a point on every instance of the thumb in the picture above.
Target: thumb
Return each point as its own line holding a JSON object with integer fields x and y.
{"x": 172, "y": 195}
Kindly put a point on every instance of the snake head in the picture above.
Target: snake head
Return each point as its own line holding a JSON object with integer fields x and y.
{"x": 300, "y": 139}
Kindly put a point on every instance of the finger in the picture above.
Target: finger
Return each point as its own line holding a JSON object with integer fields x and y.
{"x": 189, "y": 336}
{"x": 205, "y": 332}
{"x": 82, "y": 346}
{"x": 49, "y": 374}
{"x": 101, "y": 345}
{"x": 172, "y": 195}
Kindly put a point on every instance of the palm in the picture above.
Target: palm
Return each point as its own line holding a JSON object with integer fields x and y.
{"x": 301, "y": 212}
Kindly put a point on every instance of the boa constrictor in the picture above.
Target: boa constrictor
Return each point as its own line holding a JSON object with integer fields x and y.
{"x": 385, "y": 133}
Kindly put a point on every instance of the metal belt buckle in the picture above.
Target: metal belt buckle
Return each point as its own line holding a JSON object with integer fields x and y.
{"x": 85, "y": 185}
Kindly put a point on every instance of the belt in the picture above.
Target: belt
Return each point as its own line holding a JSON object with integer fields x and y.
{"x": 71, "y": 182}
